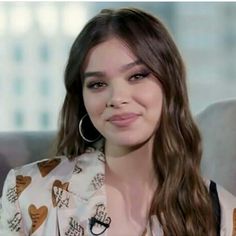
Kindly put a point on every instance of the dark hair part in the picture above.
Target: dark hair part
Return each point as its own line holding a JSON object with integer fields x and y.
{"x": 181, "y": 201}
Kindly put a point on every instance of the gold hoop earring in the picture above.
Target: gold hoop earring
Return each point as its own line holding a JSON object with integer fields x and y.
{"x": 81, "y": 131}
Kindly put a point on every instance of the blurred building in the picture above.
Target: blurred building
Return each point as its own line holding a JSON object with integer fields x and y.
{"x": 35, "y": 38}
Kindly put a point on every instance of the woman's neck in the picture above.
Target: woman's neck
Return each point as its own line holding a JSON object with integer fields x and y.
{"x": 130, "y": 185}
{"x": 130, "y": 166}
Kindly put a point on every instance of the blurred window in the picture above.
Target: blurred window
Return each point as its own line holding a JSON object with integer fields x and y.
{"x": 44, "y": 52}
{"x": 18, "y": 53}
{"x": 18, "y": 119}
{"x": 18, "y": 86}
{"x": 3, "y": 21}
{"x": 44, "y": 86}
{"x": 44, "y": 120}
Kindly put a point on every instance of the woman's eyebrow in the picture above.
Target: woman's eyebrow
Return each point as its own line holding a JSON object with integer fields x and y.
{"x": 130, "y": 65}
{"x": 102, "y": 74}
{"x": 93, "y": 74}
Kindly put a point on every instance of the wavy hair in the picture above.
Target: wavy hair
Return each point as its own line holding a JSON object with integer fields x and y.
{"x": 181, "y": 201}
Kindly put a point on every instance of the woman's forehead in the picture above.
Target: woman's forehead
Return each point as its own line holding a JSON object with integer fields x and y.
{"x": 112, "y": 52}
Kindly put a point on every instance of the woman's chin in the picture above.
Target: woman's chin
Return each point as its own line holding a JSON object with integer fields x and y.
{"x": 127, "y": 142}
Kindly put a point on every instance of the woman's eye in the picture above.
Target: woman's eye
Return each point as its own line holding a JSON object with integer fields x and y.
{"x": 139, "y": 76}
{"x": 95, "y": 85}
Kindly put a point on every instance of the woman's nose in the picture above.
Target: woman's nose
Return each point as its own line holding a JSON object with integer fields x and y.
{"x": 119, "y": 96}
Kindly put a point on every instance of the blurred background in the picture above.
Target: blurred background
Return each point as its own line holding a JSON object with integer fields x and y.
{"x": 35, "y": 38}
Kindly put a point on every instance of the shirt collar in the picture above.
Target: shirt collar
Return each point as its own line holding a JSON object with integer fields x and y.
{"x": 89, "y": 172}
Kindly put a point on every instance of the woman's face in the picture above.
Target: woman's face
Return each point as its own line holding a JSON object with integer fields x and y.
{"x": 122, "y": 97}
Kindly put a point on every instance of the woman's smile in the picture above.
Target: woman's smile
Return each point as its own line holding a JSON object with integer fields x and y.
{"x": 123, "y": 120}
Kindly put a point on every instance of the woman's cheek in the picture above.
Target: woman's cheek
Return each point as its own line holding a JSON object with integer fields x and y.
{"x": 94, "y": 105}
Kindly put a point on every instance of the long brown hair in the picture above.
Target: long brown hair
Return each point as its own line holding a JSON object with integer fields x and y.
{"x": 181, "y": 201}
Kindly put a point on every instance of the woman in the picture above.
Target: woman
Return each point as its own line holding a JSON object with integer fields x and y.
{"x": 128, "y": 150}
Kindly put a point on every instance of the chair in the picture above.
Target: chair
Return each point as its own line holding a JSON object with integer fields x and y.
{"x": 217, "y": 124}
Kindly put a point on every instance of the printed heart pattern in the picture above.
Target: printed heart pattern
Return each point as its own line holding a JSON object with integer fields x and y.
{"x": 14, "y": 224}
{"x": 77, "y": 169}
{"x": 98, "y": 181}
{"x": 11, "y": 194}
{"x": 38, "y": 216}
{"x": 101, "y": 157}
{"x": 234, "y": 222}
{"x": 100, "y": 222}
{"x": 74, "y": 228}
{"x": 57, "y": 193}
{"x": 45, "y": 167}
{"x": 22, "y": 182}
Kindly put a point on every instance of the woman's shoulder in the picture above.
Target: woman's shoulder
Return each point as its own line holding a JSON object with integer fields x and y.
{"x": 43, "y": 168}
{"x": 26, "y": 181}
{"x": 55, "y": 167}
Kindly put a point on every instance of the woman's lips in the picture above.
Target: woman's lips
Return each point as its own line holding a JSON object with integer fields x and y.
{"x": 123, "y": 120}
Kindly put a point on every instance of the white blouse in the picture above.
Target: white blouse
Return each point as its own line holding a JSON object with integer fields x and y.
{"x": 62, "y": 197}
